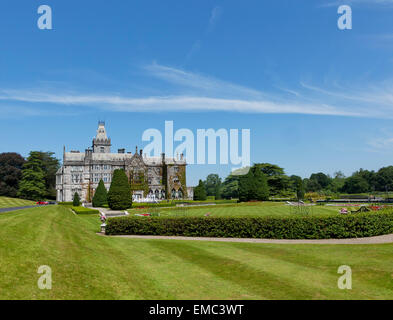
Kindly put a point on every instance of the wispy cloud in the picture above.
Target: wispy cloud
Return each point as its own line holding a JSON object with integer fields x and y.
{"x": 204, "y": 84}
{"x": 172, "y": 103}
{"x": 352, "y": 2}
{"x": 214, "y": 17}
{"x": 16, "y": 111}
{"x": 382, "y": 143}
{"x": 190, "y": 91}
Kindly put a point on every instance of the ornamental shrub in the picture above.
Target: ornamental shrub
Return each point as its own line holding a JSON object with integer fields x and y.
{"x": 101, "y": 196}
{"x": 119, "y": 195}
{"x": 76, "y": 201}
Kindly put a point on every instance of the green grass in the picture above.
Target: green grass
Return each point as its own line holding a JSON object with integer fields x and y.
{"x": 87, "y": 266}
{"x": 6, "y": 202}
{"x": 239, "y": 210}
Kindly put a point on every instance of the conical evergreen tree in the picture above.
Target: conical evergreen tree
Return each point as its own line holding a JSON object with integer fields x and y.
{"x": 101, "y": 196}
{"x": 119, "y": 195}
{"x": 76, "y": 202}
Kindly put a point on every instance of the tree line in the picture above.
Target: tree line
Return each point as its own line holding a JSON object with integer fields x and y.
{"x": 265, "y": 180}
{"x": 33, "y": 178}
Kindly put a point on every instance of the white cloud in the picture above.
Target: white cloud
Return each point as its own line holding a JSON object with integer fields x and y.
{"x": 195, "y": 92}
{"x": 170, "y": 103}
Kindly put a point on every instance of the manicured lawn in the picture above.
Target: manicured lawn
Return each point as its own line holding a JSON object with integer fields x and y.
{"x": 239, "y": 210}
{"x": 87, "y": 266}
{"x": 11, "y": 202}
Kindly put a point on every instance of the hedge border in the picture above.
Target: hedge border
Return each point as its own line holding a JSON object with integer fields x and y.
{"x": 83, "y": 210}
{"x": 304, "y": 227}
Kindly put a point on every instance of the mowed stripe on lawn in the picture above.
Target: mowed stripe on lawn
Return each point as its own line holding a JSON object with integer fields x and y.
{"x": 12, "y": 202}
{"x": 87, "y": 266}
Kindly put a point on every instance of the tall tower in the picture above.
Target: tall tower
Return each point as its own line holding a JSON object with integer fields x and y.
{"x": 101, "y": 143}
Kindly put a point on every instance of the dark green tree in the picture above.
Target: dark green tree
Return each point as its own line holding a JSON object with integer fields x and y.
{"x": 337, "y": 182}
{"x": 384, "y": 179}
{"x": 213, "y": 185}
{"x": 200, "y": 191}
{"x": 50, "y": 165}
{"x": 230, "y": 187}
{"x": 101, "y": 196}
{"x": 318, "y": 182}
{"x": 260, "y": 185}
{"x": 119, "y": 195}
{"x": 297, "y": 186}
{"x": 277, "y": 181}
{"x": 76, "y": 202}
{"x": 10, "y": 173}
{"x": 32, "y": 184}
{"x": 253, "y": 185}
{"x": 356, "y": 184}
{"x": 245, "y": 186}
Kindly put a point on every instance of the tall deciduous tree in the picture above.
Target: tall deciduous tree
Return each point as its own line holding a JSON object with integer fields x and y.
{"x": 230, "y": 187}
{"x": 276, "y": 178}
{"x": 32, "y": 184}
{"x": 10, "y": 173}
{"x": 119, "y": 195}
{"x": 213, "y": 185}
{"x": 50, "y": 165}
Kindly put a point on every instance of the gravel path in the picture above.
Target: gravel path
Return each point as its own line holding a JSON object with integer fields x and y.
{"x": 372, "y": 240}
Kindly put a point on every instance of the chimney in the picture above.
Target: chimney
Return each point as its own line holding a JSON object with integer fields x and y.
{"x": 121, "y": 151}
{"x": 163, "y": 158}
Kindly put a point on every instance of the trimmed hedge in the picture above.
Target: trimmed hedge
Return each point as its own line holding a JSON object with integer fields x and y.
{"x": 309, "y": 227}
{"x": 83, "y": 210}
{"x": 65, "y": 203}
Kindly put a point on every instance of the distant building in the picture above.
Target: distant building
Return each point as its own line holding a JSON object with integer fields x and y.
{"x": 159, "y": 178}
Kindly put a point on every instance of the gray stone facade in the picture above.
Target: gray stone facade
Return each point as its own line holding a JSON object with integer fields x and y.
{"x": 163, "y": 177}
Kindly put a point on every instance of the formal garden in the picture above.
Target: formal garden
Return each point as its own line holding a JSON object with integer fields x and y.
{"x": 250, "y": 217}
{"x": 88, "y": 264}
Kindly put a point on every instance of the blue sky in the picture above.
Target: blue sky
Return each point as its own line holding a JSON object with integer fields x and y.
{"x": 315, "y": 98}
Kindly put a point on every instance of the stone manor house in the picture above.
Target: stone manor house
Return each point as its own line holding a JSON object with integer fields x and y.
{"x": 150, "y": 177}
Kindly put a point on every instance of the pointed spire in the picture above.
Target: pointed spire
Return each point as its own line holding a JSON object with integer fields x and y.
{"x": 101, "y": 132}
{"x": 101, "y": 143}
